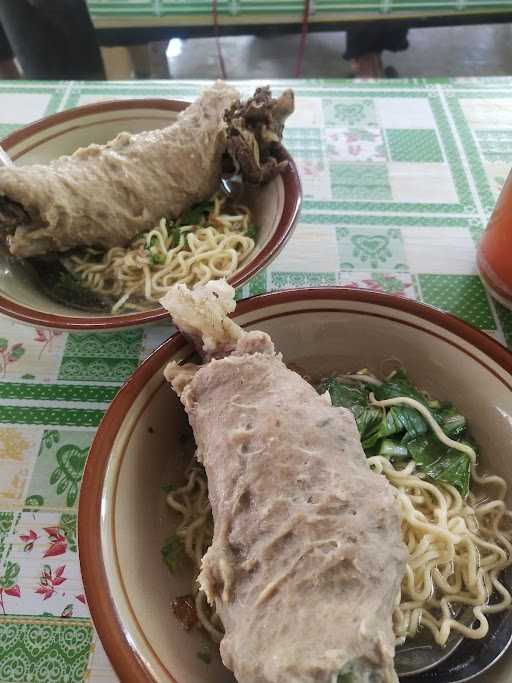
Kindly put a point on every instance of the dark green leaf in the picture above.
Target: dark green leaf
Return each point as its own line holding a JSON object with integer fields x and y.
{"x": 194, "y": 215}
{"x": 172, "y": 552}
{"x": 55, "y": 476}
{"x": 358, "y": 672}
{"x": 51, "y": 437}
{"x": 66, "y": 287}
{"x": 441, "y": 463}
{"x": 401, "y": 421}
{"x": 3, "y": 344}
{"x": 157, "y": 259}
{"x": 393, "y": 450}
{"x": 252, "y": 231}
{"x": 347, "y": 677}
{"x": 398, "y": 385}
{"x": 412, "y": 422}
{"x": 168, "y": 488}
{"x": 72, "y": 494}
{"x": 34, "y": 501}
{"x": 15, "y": 353}
{"x": 12, "y": 569}
{"x": 368, "y": 421}
{"x": 346, "y": 395}
{"x": 62, "y": 486}
{"x": 204, "y": 657}
{"x": 355, "y": 398}
{"x": 454, "y": 426}
{"x": 175, "y": 235}
{"x": 68, "y": 526}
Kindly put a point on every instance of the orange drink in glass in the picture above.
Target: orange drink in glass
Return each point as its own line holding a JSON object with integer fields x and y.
{"x": 494, "y": 255}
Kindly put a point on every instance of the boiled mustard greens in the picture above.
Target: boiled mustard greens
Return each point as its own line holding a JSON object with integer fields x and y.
{"x": 400, "y": 432}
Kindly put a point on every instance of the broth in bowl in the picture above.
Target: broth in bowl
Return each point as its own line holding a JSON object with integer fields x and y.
{"x": 145, "y": 443}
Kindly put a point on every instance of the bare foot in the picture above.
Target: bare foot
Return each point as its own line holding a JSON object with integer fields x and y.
{"x": 9, "y": 70}
{"x": 368, "y": 66}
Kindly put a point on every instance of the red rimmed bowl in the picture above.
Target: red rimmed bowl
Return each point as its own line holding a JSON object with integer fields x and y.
{"x": 123, "y": 519}
{"x": 275, "y": 206}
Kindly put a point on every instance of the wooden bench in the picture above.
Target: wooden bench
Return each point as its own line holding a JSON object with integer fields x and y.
{"x": 162, "y": 19}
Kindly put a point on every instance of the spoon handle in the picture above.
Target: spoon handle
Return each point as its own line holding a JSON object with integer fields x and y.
{"x": 5, "y": 159}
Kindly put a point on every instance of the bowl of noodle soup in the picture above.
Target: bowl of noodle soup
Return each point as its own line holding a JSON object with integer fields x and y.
{"x": 144, "y": 517}
{"x": 86, "y": 289}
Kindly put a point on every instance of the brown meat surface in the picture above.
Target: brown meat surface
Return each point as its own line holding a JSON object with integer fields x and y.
{"x": 306, "y": 560}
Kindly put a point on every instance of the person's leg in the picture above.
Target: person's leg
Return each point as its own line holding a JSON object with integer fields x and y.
{"x": 363, "y": 51}
{"x": 393, "y": 39}
{"x": 8, "y": 67}
{"x": 366, "y": 44}
{"x": 52, "y": 40}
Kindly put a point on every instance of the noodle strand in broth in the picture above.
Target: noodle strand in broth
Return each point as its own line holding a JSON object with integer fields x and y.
{"x": 457, "y": 547}
{"x": 167, "y": 254}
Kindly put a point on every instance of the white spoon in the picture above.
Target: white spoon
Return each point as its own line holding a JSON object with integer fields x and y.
{"x": 5, "y": 159}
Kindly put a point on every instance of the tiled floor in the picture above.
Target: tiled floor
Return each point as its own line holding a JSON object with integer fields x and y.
{"x": 453, "y": 51}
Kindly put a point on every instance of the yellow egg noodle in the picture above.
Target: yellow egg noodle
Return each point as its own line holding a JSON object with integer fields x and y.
{"x": 167, "y": 254}
{"x": 457, "y": 546}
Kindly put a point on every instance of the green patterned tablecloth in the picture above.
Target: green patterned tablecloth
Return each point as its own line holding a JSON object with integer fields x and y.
{"x": 399, "y": 179}
{"x": 196, "y": 12}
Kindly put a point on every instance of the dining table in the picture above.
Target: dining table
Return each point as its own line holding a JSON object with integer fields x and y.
{"x": 126, "y": 14}
{"x": 399, "y": 178}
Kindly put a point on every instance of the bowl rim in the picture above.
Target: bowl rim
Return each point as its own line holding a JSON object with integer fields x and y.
{"x": 116, "y": 641}
{"x": 287, "y": 222}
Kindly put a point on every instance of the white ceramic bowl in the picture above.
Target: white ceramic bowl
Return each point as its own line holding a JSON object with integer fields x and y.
{"x": 275, "y": 206}
{"x": 123, "y": 518}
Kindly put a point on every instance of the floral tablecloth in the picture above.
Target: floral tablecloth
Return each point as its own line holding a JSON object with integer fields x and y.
{"x": 399, "y": 179}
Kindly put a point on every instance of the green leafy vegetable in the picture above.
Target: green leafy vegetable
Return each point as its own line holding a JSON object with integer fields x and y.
{"x": 194, "y": 215}
{"x": 400, "y": 432}
{"x": 440, "y": 462}
{"x": 172, "y": 552}
{"x": 398, "y": 385}
{"x": 204, "y": 657}
{"x": 356, "y": 399}
{"x": 392, "y": 449}
{"x": 357, "y": 672}
{"x": 347, "y": 677}
{"x": 252, "y": 231}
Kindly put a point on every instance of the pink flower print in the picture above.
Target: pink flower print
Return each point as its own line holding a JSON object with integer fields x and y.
{"x": 49, "y": 580}
{"x": 29, "y": 540}
{"x": 58, "y": 542}
{"x": 81, "y": 597}
{"x": 45, "y": 337}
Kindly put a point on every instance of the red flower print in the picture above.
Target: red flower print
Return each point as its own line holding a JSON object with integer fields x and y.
{"x": 45, "y": 337}
{"x": 14, "y": 592}
{"x": 81, "y": 597}
{"x": 29, "y": 540}
{"x": 49, "y": 580}
{"x": 40, "y": 335}
{"x": 58, "y": 542}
